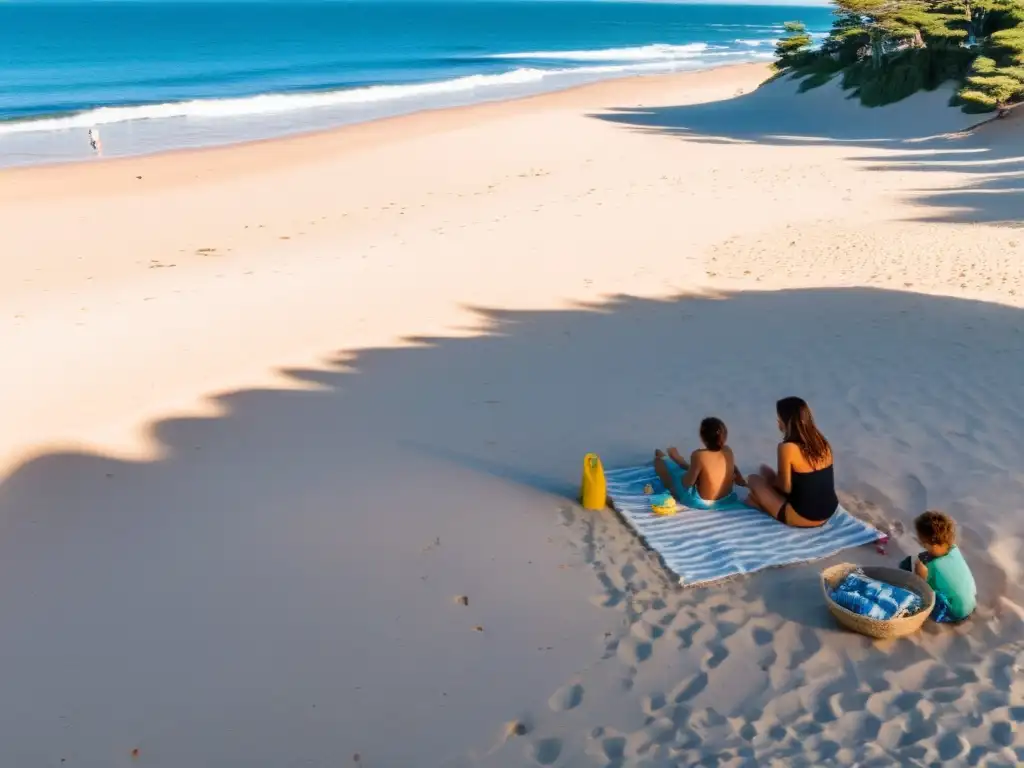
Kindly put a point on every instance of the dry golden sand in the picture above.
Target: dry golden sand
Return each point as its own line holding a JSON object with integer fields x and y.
{"x": 272, "y": 410}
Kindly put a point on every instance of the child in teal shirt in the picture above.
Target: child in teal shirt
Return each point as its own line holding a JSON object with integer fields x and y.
{"x": 944, "y": 568}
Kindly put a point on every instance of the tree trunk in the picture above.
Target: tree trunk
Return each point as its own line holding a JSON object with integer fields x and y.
{"x": 977, "y": 26}
{"x": 876, "y": 49}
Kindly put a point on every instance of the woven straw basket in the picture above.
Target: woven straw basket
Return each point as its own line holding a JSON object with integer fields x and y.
{"x": 884, "y": 630}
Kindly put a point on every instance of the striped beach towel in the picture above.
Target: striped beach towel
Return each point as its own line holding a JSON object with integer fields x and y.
{"x": 701, "y": 546}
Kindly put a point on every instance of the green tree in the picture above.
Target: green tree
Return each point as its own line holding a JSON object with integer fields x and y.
{"x": 792, "y": 50}
{"x": 940, "y": 23}
{"x": 848, "y": 39}
{"x": 883, "y": 23}
{"x": 988, "y": 16}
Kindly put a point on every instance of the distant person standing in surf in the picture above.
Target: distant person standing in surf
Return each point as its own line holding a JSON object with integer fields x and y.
{"x": 94, "y": 141}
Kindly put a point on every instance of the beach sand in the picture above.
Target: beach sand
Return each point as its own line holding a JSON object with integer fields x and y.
{"x": 272, "y": 411}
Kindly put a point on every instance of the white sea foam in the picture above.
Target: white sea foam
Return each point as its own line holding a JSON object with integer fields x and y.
{"x": 655, "y": 52}
{"x": 271, "y": 104}
{"x": 758, "y": 42}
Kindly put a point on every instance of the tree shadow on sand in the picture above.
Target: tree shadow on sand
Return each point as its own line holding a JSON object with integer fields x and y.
{"x": 991, "y": 158}
{"x": 287, "y": 552}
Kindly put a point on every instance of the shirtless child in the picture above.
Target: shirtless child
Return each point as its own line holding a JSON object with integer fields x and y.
{"x": 707, "y": 479}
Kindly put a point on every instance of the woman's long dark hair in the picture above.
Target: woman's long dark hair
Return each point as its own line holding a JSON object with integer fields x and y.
{"x": 798, "y": 423}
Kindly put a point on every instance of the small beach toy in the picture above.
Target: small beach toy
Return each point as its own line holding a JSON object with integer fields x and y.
{"x": 881, "y": 544}
{"x": 648, "y": 489}
{"x": 663, "y": 504}
{"x": 594, "y": 492}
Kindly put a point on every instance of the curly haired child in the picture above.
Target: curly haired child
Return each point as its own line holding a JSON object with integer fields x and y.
{"x": 943, "y": 567}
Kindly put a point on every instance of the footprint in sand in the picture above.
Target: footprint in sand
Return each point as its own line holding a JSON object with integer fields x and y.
{"x": 665, "y": 621}
{"x": 661, "y": 731}
{"x": 827, "y": 709}
{"x": 868, "y": 728}
{"x": 1002, "y": 734}
{"x": 614, "y": 747}
{"x": 691, "y": 689}
{"x": 681, "y": 715}
{"x": 918, "y": 728}
{"x": 610, "y": 598}
{"x": 569, "y": 697}
{"x": 645, "y": 632}
{"x": 686, "y": 635}
{"x": 718, "y": 654}
{"x": 726, "y": 629}
{"x": 653, "y": 704}
{"x": 633, "y": 652}
{"x": 951, "y": 746}
{"x": 827, "y": 751}
{"x": 947, "y": 696}
{"x": 544, "y": 751}
{"x": 748, "y": 731}
{"x": 595, "y": 743}
{"x": 941, "y": 677}
{"x": 687, "y": 740}
{"x": 851, "y": 701}
{"x": 761, "y": 636}
{"x": 906, "y": 701}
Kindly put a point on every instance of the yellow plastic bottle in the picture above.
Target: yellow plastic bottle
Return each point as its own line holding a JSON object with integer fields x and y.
{"x": 595, "y": 491}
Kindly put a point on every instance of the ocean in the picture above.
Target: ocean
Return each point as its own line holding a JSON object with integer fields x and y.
{"x": 152, "y": 76}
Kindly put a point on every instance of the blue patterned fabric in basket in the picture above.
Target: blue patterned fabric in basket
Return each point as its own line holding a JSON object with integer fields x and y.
{"x": 875, "y": 599}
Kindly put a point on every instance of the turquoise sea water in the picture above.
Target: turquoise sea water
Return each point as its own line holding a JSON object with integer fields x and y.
{"x": 160, "y": 75}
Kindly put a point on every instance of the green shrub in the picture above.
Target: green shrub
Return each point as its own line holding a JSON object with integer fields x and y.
{"x": 989, "y": 86}
{"x": 983, "y": 65}
{"x": 974, "y": 102}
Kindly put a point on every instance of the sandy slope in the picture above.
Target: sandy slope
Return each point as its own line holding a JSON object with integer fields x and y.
{"x": 270, "y": 410}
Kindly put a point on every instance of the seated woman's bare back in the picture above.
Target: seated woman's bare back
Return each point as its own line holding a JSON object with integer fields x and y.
{"x": 801, "y": 492}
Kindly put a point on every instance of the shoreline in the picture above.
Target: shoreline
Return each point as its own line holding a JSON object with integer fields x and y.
{"x": 360, "y": 133}
{"x": 244, "y": 124}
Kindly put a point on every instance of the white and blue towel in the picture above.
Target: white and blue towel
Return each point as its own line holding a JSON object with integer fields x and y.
{"x": 705, "y": 545}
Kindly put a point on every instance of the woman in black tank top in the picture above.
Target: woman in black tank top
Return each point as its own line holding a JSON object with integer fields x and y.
{"x": 802, "y": 492}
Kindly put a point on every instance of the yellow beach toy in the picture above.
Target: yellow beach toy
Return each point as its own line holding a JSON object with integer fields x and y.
{"x": 664, "y": 504}
{"x": 594, "y": 493}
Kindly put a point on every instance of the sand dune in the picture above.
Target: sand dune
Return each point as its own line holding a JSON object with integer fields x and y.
{"x": 273, "y": 410}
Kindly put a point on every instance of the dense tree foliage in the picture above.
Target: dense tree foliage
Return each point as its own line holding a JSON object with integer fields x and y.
{"x": 793, "y": 49}
{"x": 889, "y": 49}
